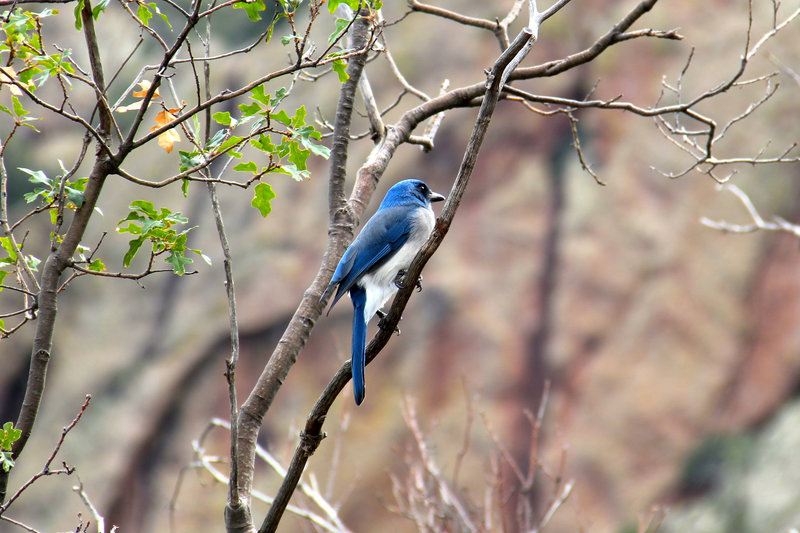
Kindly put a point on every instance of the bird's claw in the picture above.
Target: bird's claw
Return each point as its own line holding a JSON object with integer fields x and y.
{"x": 400, "y": 275}
{"x": 382, "y": 321}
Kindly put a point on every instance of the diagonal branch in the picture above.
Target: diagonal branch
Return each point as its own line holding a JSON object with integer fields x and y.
{"x": 312, "y": 434}
{"x": 294, "y": 338}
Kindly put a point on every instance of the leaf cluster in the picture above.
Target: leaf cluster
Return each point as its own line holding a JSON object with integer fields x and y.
{"x": 147, "y": 223}
{"x": 8, "y": 435}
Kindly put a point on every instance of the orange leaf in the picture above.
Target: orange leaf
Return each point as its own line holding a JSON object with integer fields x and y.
{"x": 167, "y": 139}
{"x": 163, "y": 118}
{"x": 145, "y": 85}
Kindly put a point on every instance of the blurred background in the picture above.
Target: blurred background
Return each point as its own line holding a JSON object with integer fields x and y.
{"x": 671, "y": 349}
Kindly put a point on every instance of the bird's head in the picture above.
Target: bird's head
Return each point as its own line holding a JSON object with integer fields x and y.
{"x": 410, "y": 192}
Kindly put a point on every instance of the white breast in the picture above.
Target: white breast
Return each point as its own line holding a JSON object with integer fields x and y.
{"x": 380, "y": 283}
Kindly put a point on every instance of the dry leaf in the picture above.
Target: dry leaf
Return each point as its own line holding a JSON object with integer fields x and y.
{"x": 9, "y": 75}
{"x": 167, "y": 139}
{"x": 145, "y": 85}
{"x": 130, "y": 107}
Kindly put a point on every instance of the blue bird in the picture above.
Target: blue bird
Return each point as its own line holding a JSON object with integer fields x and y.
{"x": 386, "y": 245}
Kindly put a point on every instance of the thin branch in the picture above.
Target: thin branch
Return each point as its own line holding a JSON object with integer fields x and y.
{"x": 777, "y": 223}
{"x": 99, "y": 520}
{"x": 452, "y": 15}
{"x": 123, "y": 275}
{"x": 340, "y": 233}
{"x": 4, "y": 517}
{"x": 46, "y": 469}
{"x": 462, "y": 452}
{"x": 235, "y": 500}
{"x": 445, "y": 493}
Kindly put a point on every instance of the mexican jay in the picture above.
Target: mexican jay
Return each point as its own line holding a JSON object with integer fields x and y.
{"x": 386, "y": 245}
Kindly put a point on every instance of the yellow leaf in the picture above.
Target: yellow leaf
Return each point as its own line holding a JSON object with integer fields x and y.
{"x": 9, "y": 75}
{"x": 167, "y": 139}
{"x": 131, "y": 107}
{"x": 145, "y": 85}
{"x": 163, "y": 118}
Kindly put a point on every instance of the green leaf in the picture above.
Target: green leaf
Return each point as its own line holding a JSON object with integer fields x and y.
{"x": 3, "y": 274}
{"x": 222, "y": 117}
{"x": 298, "y": 156}
{"x": 178, "y": 262}
{"x": 37, "y": 176}
{"x": 259, "y": 95}
{"x": 5, "y": 242}
{"x": 316, "y": 149}
{"x": 185, "y": 187}
{"x": 189, "y": 159}
{"x": 33, "y": 262}
{"x": 339, "y": 67}
{"x": 230, "y": 142}
{"x": 341, "y": 26}
{"x": 204, "y": 256}
{"x": 278, "y": 97}
{"x": 246, "y": 167}
{"x": 8, "y": 436}
{"x": 5, "y": 457}
{"x": 294, "y": 172}
{"x": 216, "y": 139}
{"x": 264, "y": 143}
{"x": 99, "y": 8}
{"x": 299, "y": 118}
{"x": 333, "y": 4}
{"x": 282, "y": 116}
{"x": 263, "y": 196}
{"x": 133, "y": 247}
{"x": 18, "y": 109}
{"x": 252, "y": 8}
{"x": 145, "y": 207}
{"x": 143, "y": 13}
{"x": 248, "y": 110}
{"x": 97, "y": 266}
{"x": 75, "y": 196}
{"x": 160, "y": 14}
{"x": 77, "y": 13}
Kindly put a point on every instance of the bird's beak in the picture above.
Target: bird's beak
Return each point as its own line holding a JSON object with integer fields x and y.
{"x": 436, "y": 197}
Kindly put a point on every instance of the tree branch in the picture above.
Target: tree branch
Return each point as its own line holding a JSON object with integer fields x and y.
{"x": 312, "y": 434}
{"x": 294, "y": 338}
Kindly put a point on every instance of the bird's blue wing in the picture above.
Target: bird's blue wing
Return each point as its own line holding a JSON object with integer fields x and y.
{"x": 381, "y": 237}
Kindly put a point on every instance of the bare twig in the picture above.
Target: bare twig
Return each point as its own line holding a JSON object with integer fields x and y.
{"x": 447, "y": 496}
{"x": 777, "y": 223}
{"x": 99, "y": 520}
{"x": 46, "y": 469}
{"x": 462, "y": 452}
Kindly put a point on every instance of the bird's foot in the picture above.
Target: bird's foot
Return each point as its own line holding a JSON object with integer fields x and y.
{"x": 400, "y": 275}
{"x": 382, "y": 321}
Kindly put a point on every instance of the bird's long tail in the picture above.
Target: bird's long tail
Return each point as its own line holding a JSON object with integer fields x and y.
{"x": 359, "y": 342}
